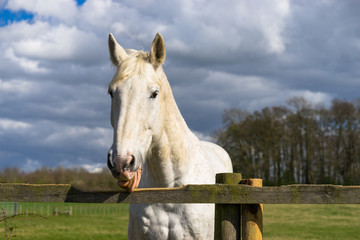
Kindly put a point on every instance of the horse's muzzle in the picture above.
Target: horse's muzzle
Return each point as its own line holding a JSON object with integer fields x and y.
{"x": 122, "y": 168}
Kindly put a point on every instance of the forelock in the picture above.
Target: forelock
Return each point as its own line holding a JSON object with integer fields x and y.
{"x": 135, "y": 64}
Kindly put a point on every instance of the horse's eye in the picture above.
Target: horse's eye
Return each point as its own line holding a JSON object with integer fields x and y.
{"x": 154, "y": 94}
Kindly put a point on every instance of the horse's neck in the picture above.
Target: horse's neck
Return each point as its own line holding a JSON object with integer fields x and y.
{"x": 172, "y": 152}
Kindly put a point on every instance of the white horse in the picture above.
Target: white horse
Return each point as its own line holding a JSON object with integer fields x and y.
{"x": 151, "y": 136}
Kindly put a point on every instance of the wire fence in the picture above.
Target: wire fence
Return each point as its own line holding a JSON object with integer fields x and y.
{"x": 9, "y": 208}
{"x": 63, "y": 209}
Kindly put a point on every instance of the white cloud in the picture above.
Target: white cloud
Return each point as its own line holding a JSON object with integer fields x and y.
{"x": 34, "y": 45}
{"x": 16, "y": 86}
{"x": 101, "y": 14}
{"x": 18, "y": 31}
{"x": 315, "y": 97}
{"x": 95, "y": 138}
{"x": 177, "y": 45}
{"x": 221, "y": 90}
{"x": 273, "y": 24}
{"x": 30, "y": 165}
{"x": 203, "y": 137}
{"x": 60, "y": 43}
{"x": 219, "y": 31}
{"x": 11, "y": 125}
{"x": 94, "y": 168}
{"x": 64, "y": 10}
{"x": 30, "y": 66}
{"x": 191, "y": 28}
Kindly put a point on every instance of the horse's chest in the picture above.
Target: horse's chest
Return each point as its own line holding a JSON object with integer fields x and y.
{"x": 171, "y": 221}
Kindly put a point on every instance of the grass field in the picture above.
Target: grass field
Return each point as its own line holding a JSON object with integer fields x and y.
{"x": 109, "y": 221}
{"x": 311, "y": 222}
{"x": 88, "y": 221}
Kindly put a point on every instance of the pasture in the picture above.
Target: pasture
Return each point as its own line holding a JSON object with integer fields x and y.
{"x": 88, "y": 221}
{"x": 109, "y": 221}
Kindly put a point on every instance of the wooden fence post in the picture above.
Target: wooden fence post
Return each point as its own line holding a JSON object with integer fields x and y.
{"x": 227, "y": 216}
{"x": 252, "y": 216}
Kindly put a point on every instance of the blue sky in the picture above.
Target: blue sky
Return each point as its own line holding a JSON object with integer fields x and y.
{"x": 8, "y": 17}
{"x": 54, "y": 65}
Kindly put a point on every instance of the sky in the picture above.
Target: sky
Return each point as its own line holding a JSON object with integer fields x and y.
{"x": 55, "y": 68}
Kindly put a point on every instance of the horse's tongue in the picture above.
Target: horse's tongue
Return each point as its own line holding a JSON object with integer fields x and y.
{"x": 132, "y": 183}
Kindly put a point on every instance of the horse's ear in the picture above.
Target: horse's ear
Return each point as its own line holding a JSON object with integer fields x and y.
{"x": 158, "y": 51}
{"x": 117, "y": 53}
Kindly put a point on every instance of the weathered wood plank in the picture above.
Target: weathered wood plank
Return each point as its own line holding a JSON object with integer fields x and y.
{"x": 252, "y": 215}
{"x": 216, "y": 193}
{"x": 227, "y": 216}
{"x": 33, "y": 192}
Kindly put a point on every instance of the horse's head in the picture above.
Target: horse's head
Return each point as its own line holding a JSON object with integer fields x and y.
{"x": 135, "y": 92}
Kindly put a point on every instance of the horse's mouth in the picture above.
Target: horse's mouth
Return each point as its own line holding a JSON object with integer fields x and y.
{"x": 130, "y": 180}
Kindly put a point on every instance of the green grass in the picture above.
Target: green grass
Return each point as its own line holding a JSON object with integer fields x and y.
{"x": 109, "y": 221}
{"x": 89, "y": 221}
{"x": 311, "y": 222}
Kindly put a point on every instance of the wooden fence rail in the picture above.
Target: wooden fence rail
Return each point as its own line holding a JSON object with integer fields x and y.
{"x": 212, "y": 193}
{"x": 238, "y": 209}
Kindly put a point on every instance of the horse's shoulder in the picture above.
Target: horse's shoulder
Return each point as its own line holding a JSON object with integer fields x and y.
{"x": 219, "y": 158}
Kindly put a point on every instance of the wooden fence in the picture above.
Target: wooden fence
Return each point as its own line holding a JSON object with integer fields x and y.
{"x": 238, "y": 210}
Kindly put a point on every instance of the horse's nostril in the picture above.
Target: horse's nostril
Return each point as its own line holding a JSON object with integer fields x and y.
{"x": 132, "y": 162}
{"x": 109, "y": 161}
{"x": 130, "y": 165}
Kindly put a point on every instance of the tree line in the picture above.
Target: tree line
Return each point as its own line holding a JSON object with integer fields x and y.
{"x": 77, "y": 177}
{"x": 295, "y": 143}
